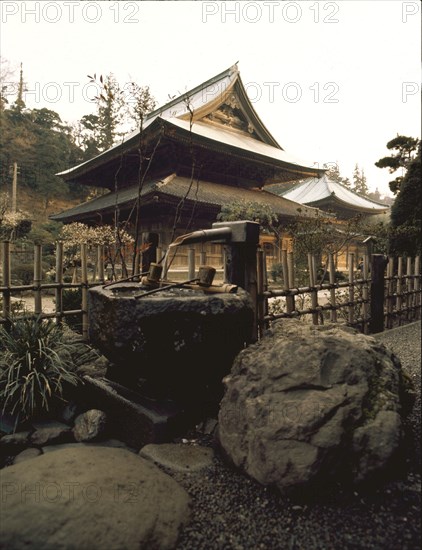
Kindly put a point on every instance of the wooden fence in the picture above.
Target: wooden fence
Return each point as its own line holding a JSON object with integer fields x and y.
{"x": 378, "y": 294}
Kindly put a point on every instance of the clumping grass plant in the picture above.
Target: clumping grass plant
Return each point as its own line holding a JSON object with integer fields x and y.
{"x": 37, "y": 359}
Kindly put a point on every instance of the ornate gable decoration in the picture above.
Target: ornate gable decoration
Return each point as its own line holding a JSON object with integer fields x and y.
{"x": 230, "y": 114}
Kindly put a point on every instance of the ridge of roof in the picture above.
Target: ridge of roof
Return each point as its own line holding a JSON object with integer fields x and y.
{"x": 233, "y": 70}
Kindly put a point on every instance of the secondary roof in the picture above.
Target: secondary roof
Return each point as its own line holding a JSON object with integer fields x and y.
{"x": 323, "y": 192}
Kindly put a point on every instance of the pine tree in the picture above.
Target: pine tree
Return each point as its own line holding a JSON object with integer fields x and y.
{"x": 406, "y": 212}
{"x": 405, "y": 150}
{"x": 333, "y": 172}
{"x": 359, "y": 181}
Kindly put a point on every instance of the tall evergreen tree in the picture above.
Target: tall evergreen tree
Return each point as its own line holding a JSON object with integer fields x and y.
{"x": 333, "y": 172}
{"x": 359, "y": 181}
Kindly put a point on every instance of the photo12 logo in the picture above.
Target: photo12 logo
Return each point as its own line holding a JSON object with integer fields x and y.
{"x": 269, "y": 12}
{"x": 70, "y": 12}
{"x": 409, "y": 9}
{"x": 70, "y": 92}
{"x": 273, "y": 91}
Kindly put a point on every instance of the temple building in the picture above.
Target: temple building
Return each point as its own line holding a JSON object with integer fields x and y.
{"x": 333, "y": 197}
{"x": 202, "y": 150}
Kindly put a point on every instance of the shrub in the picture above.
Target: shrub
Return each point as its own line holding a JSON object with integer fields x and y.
{"x": 72, "y": 299}
{"x": 36, "y": 361}
{"x": 23, "y": 273}
{"x": 276, "y": 271}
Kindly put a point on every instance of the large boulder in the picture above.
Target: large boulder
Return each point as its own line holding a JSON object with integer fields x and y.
{"x": 90, "y": 497}
{"x": 311, "y": 402}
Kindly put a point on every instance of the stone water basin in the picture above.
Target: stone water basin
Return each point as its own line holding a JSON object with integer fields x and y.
{"x": 182, "y": 342}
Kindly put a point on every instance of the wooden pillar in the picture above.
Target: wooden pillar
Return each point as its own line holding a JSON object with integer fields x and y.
{"x": 59, "y": 281}
{"x": 6, "y": 279}
{"x": 378, "y": 264}
{"x": 37, "y": 279}
{"x": 286, "y": 281}
{"x": 191, "y": 263}
{"x": 84, "y": 281}
{"x": 351, "y": 307}
{"x": 332, "y": 274}
{"x": 313, "y": 292}
{"x": 240, "y": 267}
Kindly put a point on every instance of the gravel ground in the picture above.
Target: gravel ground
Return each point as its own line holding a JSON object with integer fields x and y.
{"x": 231, "y": 511}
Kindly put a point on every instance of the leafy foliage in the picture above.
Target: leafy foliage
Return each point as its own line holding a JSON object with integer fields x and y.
{"x": 248, "y": 210}
{"x": 72, "y": 300}
{"x": 406, "y": 216}
{"x": 119, "y": 110}
{"x": 36, "y": 360}
{"x": 404, "y": 148}
{"x": 12, "y": 224}
{"x": 114, "y": 241}
{"x": 321, "y": 236}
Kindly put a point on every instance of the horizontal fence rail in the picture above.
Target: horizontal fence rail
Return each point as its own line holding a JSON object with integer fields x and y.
{"x": 376, "y": 294}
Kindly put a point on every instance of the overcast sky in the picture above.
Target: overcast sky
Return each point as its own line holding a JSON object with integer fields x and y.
{"x": 332, "y": 81}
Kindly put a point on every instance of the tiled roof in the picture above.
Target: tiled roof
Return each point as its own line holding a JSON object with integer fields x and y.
{"x": 200, "y": 101}
{"x": 176, "y": 187}
{"x": 315, "y": 191}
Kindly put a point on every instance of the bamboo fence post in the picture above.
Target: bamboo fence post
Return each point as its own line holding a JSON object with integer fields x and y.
{"x": 225, "y": 260}
{"x": 84, "y": 287}
{"x": 100, "y": 263}
{"x": 332, "y": 275}
{"x": 260, "y": 290}
{"x": 137, "y": 266}
{"x": 291, "y": 272}
{"x": 399, "y": 296}
{"x": 409, "y": 285}
{"x": 314, "y": 294}
{"x": 7, "y": 308}
{"x": 390, "y": 291}
{"x": 59, "y": 281}
{"x": 191, "y": 263}
{"x": 365, "y": 294}
{"x": 378, "y": 263}
{"x": 286, "y": 281}
{"x": 351, "y": 307}
{"x": 37, "y": 279}
{"x": 202, "y": 258}
{"x": 265, "y": 279}
{"x": 417, "y": 286}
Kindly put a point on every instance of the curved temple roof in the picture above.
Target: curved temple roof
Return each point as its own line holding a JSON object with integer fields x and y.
{"x": 176, "y": 187}
{"x": 189, "y": 112}
{"x": 316, "y": 191}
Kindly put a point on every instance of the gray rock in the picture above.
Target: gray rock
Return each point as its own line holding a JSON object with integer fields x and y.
{"x": 13, "y": 441}
{"x": 90, "y": 497}
{"x": 27, "y": 454}
{"x": 90, "y": 425}
{"x": 114, "y": 443}
{"x": 310, "y": 402}
{"x": 48, "y": 433}
{"x": 179, "y": 457}
{"x": 69, "y": 412}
